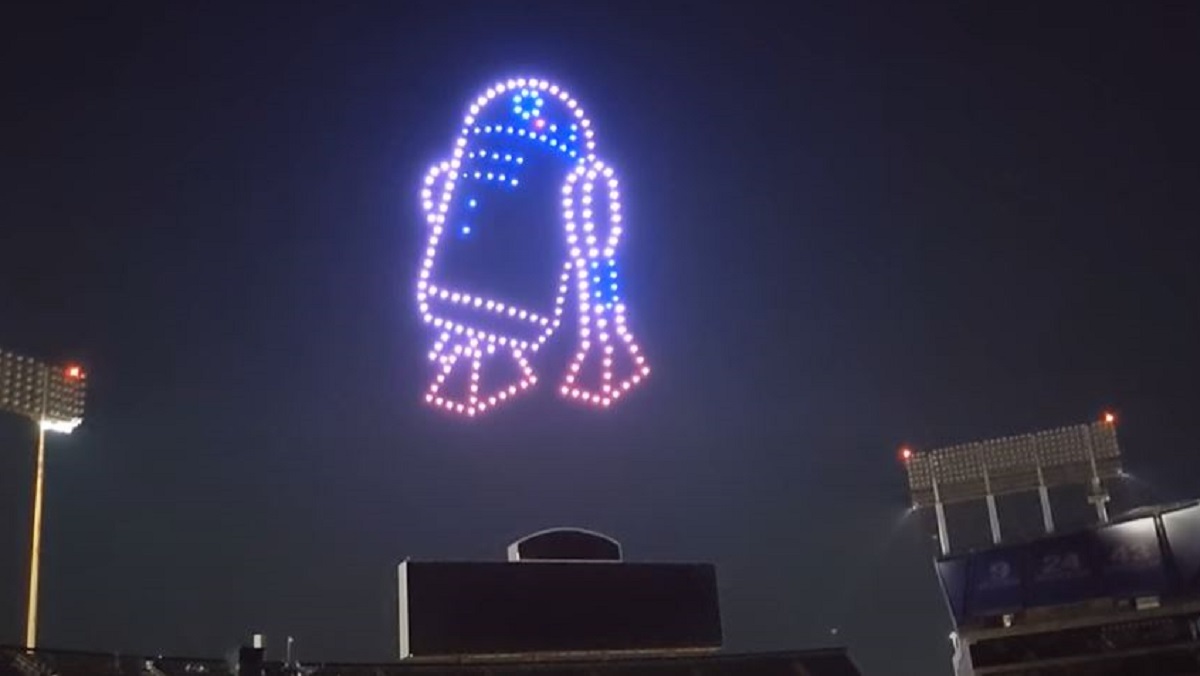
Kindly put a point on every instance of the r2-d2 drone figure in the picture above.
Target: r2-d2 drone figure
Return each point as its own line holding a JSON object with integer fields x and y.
{"x": 525, "y": 143}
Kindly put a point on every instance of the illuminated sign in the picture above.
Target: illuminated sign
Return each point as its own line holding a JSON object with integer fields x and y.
{"x": 524, "y": 168}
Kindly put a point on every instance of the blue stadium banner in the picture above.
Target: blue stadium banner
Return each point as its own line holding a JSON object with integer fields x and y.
{"x": 1063, "y": 570}
{"x": 996, "y": 581}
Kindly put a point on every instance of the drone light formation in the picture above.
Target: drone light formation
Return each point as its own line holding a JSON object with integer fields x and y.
{"x": 601, "y": 312}
{"x": 516, "y": 125}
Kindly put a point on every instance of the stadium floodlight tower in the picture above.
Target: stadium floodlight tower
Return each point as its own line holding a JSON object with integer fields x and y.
{"x": 52, "y": 398}
{"x": 1085, "y": 454}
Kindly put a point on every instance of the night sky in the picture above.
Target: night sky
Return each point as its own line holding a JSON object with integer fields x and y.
{"x": 850, "y": 227}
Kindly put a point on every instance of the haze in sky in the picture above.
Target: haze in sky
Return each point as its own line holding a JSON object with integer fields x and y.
{"x": 852, "y": 226}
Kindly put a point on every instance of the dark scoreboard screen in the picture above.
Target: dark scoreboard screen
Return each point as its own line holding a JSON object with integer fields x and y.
{"x": 496, "y": 608}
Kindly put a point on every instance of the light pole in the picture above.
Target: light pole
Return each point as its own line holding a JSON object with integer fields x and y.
{"x": 51, "y": 397}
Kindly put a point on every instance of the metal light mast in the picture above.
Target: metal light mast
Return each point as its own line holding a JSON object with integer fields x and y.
{"x": 52, "y": 398}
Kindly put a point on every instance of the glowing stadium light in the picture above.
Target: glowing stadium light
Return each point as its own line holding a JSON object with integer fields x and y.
{"x": 515, "y": 126}
{"x": 1086, "y": 454}
{"x": 60, "y": 426}
{"x": 52, "y": 398}
{"x": 1063, "y": 456}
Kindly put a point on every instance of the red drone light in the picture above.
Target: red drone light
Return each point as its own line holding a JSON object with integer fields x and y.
{"x": 74, "y": 373}
{"x": 906, "y": 454}
{"x": 1110, "y": 417}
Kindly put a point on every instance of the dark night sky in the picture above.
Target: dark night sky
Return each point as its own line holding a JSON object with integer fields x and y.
{"x": 850, "y": 227}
